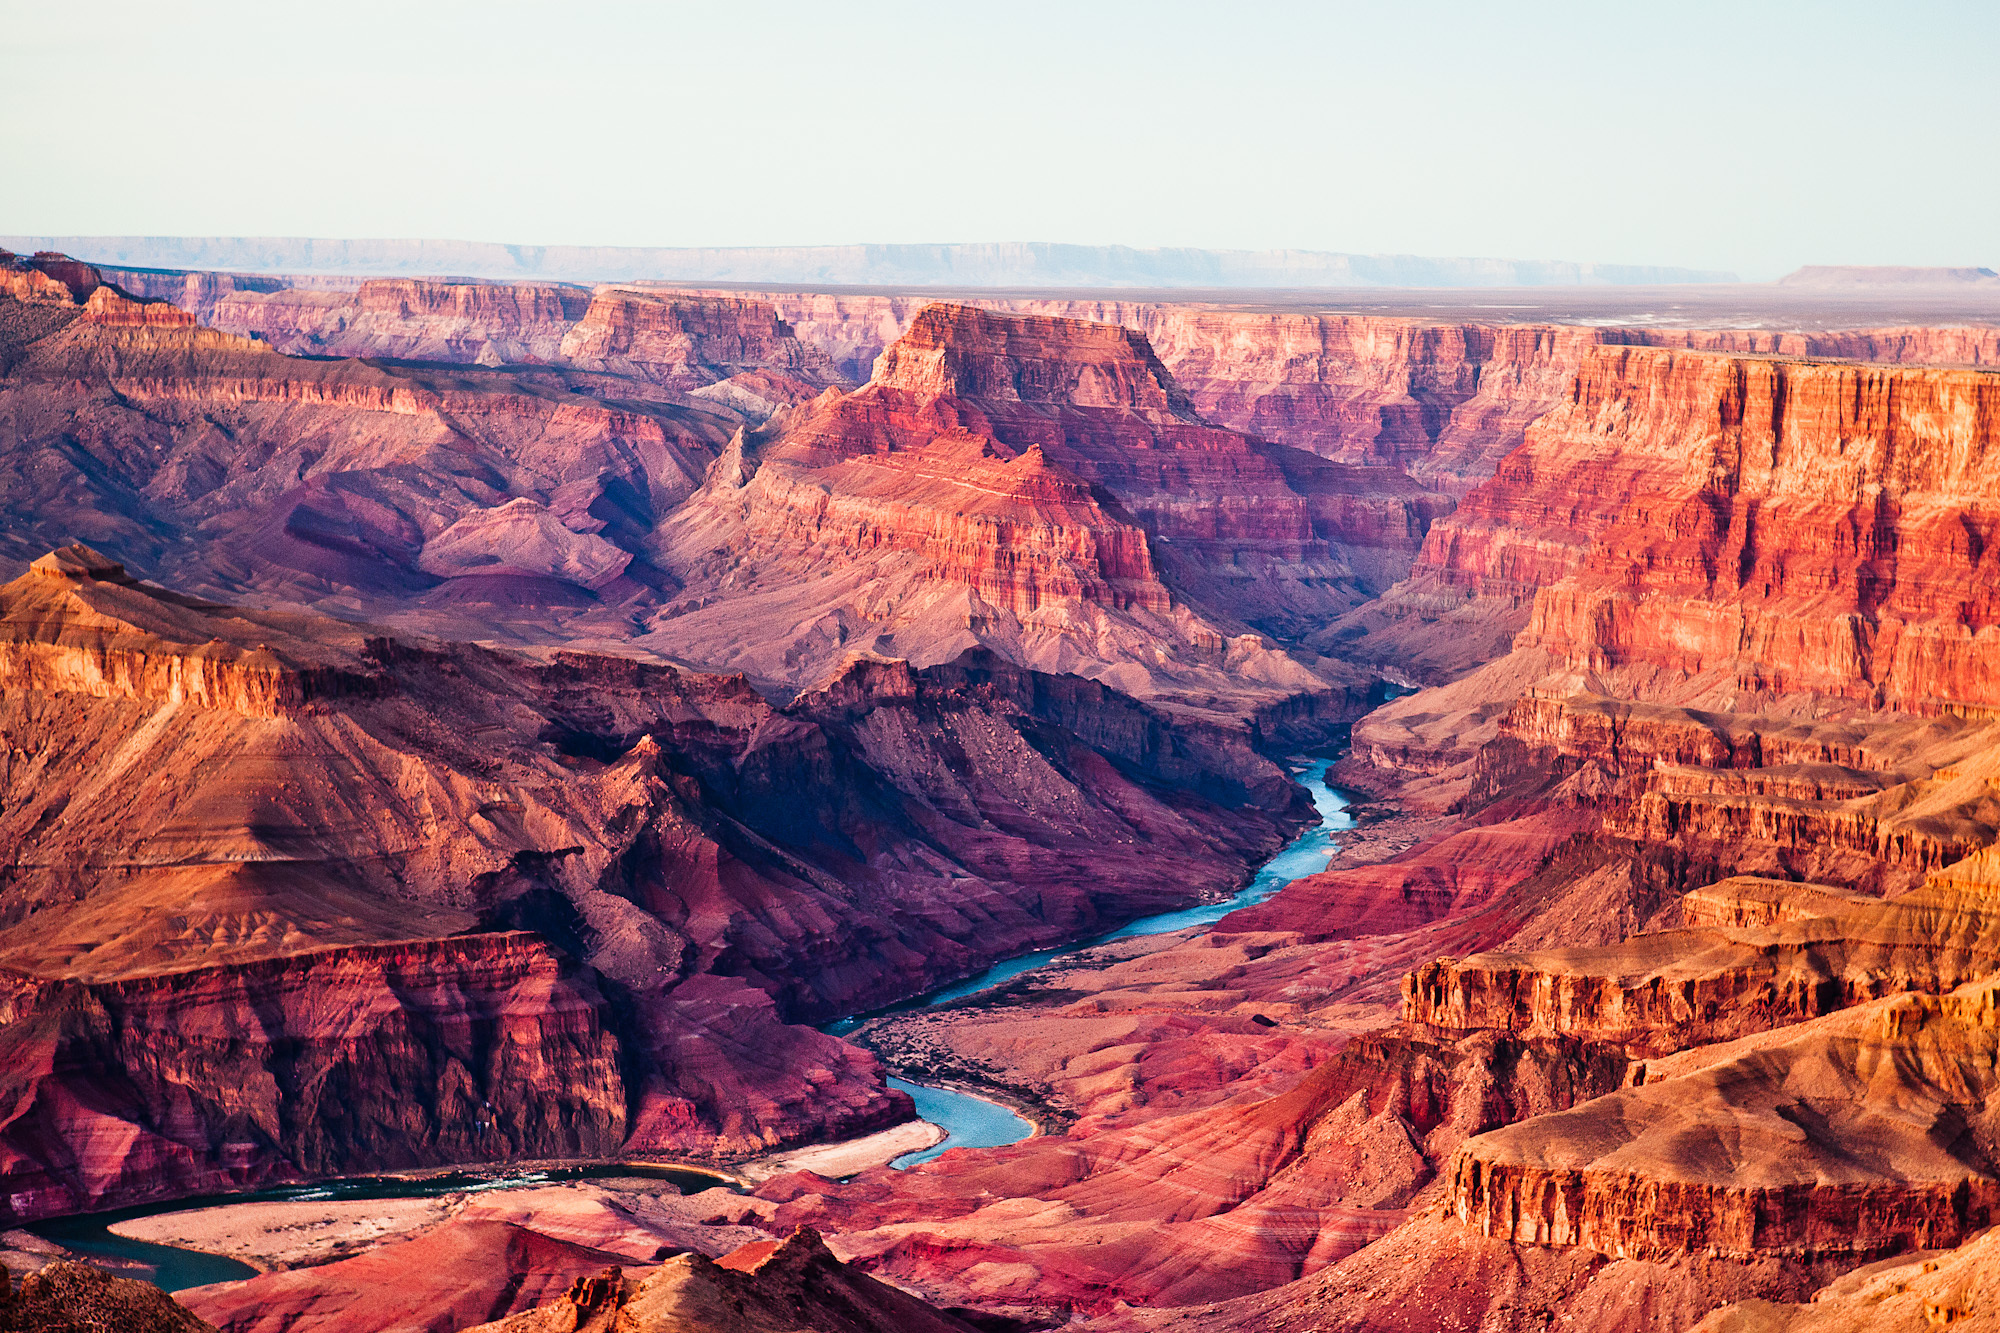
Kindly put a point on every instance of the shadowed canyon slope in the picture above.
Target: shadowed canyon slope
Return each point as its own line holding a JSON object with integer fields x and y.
{"x": 235, "y": 833}
{"x": 833, "y": 646}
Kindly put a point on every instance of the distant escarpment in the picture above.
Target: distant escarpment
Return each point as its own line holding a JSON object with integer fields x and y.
{"x": 684, "y": 471}
{"x": 678, "y": 340}
{"x": 288, "y": 897}
{"x": 1444, "y": 399}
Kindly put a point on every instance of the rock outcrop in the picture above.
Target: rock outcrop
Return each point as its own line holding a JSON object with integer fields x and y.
{"x": 1859, "y": 1134}
{"x": 66, "y": 1297}
{"x": 765, "y": 1287}
{"x": 1758, "y": 954}
{"x": 1912, "y": 1293}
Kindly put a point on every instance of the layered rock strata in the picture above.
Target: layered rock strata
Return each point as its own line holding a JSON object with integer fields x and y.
{"x": 459, "y": 498}
{"x": 1776, "y": 525}
{"x": 1757, "y": 955}
{"x": 1788, "y": 1143}
{"x": 1446, "y": 400}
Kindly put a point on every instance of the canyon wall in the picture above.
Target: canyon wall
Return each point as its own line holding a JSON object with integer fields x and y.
{"x": 426, "y": 1053}
{"x": 1610, "y": 1176}
{"x": 1800, "y": 526}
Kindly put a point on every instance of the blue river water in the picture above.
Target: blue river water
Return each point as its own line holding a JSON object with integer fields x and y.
{"x": 1304, "y": 855}
{"x": 968, "y": 1122}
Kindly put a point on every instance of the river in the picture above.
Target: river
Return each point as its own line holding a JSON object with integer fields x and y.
{"x": 974, "y": 1122}
{"x": 1304, "y": 855}
{"x": 968, "y": 1121}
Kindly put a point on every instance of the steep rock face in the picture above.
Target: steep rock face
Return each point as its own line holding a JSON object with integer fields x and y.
{"x": 1758, "y": 954}
{"x": 1798, "y": 525}
{"x": 1874, "y": 802}
{"x": 1788, "y": 525}
{"x": 1442, "y": 401}
{"x": 1859, "y": 1134}
{"x": 1221, "y": 498}
{"x": 47, "y": 278}
{"x": 1911, "y": 1294}
{"x": 1971, "y": 345}
{"x": 1019, "y": 531}
{"x": 1434, "y": 1273}
{"x": 687, "y": 341}
{"x": 52, "y": 639}
{"x": 484, "y": 1047}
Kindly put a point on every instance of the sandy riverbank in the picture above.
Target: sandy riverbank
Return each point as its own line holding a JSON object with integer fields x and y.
{"x": 848, "y": 1156}
{"x": 289, "y": 1234}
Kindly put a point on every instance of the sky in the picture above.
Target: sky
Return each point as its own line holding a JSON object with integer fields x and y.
{"x": 1752, "y": 137}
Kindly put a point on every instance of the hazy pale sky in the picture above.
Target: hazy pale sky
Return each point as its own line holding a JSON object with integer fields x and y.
{"x": 1747, "y": 136}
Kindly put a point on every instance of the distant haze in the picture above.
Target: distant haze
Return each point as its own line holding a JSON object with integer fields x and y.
{"x": 1707, "y": 135}
{"x": 1000, "y": 265}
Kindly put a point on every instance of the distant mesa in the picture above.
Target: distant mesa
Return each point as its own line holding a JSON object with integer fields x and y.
{"x": 1833, "y": 277}
{"x": 993, "y": 264}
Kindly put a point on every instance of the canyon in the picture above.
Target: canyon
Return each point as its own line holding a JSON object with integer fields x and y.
{"x": 473, "y": 722}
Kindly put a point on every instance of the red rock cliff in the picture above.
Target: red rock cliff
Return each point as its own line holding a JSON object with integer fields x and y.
{"x": 1798, "y": 525}
{"x": 481, "y": 1048}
